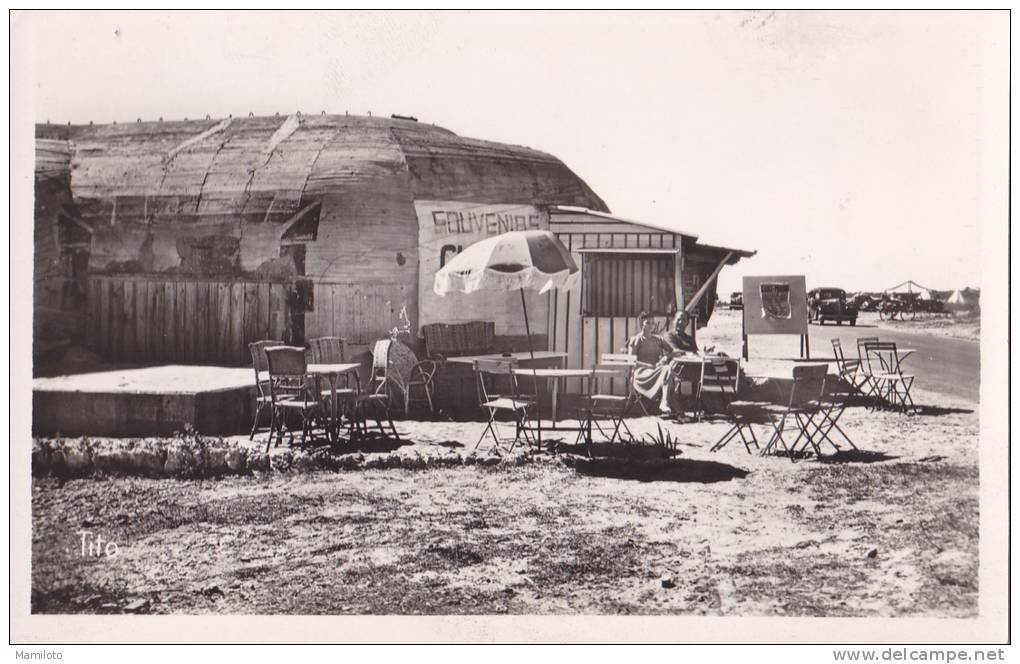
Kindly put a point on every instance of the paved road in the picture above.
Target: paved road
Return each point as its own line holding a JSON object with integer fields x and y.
{"x": 941, "y": 364}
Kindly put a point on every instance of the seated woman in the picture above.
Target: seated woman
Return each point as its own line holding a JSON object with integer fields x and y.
{"x": 653, "y": 373}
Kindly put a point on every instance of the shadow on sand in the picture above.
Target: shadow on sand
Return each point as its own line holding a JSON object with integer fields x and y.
{"x": 856, "y": 456}
{"x": 939, "y": 410}
{"x": 674, "y": 470}
{"x": 372, "y": 443}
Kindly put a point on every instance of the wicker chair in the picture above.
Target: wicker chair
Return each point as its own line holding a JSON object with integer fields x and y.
{"x": 263, "y": 399}
{"x": 293, "y": 391}
{"x": 327, "y": 350}
{"x": 375, "y": 401}
{"x": 396, "y": 366}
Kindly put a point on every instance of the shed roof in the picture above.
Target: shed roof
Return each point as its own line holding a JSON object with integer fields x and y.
{"x": 623, "y": 220}
{"x": 696, "y": 246}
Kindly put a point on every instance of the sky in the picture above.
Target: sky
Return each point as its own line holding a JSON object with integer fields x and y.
{"x": 848, "y": 147}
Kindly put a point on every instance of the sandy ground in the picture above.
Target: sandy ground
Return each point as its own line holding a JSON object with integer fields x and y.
{"x": 724, "y": 331}
{"x": 887, "y": 531}
{"x": 959, "y": 327}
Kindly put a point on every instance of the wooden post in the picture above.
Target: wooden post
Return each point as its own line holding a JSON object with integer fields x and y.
{"x": 708, "y": 282}
{"x": 743, "y": 335}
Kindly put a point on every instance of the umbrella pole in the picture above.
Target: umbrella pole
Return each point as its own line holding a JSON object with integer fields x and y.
{"x": 538, "y": 402}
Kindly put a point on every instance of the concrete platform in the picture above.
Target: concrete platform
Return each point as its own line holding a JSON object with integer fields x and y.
{"x": 150, "y": 401}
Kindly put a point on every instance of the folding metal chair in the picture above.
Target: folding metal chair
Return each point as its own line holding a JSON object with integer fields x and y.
{"x": 832, "y": 403}
{"x": 868, "y": 387}
{"x": 849, "y": 371}
{"x": 803, "y": 405}
{"x": 263, "y": 398}
{"x": 719, "y": 378}
{"x": 293, "y": 391}
{"x": 627, "y": 363}
{"x": 892, "y": 386}
{"x": 602, "y": 404}
{"x": 487, "y": 371}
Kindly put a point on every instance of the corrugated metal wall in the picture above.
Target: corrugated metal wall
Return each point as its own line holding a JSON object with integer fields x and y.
{"x": 627, "y": 284}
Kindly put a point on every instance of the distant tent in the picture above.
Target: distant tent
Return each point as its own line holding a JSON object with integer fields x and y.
{"x": 909, "y": 288}
{"x": 964, "y": 299}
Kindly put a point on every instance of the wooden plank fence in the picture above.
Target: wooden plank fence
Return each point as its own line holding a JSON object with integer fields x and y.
{"x": 361, "y": 313}
{"x": 183, "y": 320}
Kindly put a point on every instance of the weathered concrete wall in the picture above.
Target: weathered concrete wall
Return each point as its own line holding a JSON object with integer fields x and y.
{"x": 141, "y": 414}
{"x": 58, "y": 298}
{"x": 214, "y": 197}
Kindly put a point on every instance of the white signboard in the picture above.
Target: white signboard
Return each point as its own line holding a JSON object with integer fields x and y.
{"x": 446, "y": 228}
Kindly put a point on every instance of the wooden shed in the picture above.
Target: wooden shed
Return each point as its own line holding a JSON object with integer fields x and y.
{"x": 628, "y": 267}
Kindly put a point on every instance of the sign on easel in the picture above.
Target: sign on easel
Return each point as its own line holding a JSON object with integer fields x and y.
{"x": 776, "y": 305}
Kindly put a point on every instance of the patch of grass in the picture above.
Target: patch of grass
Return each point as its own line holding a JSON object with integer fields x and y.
{"x": 585, "y": 556}
{"x": 802, "y": 584}
{"x": 448, "y": 555}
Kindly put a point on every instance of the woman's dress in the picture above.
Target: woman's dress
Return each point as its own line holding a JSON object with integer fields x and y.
{"x": 648, "y": 380}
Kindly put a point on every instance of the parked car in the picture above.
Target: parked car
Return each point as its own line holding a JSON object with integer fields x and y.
{"x": 736, "y": 300}
{"x": 830, "y": 304}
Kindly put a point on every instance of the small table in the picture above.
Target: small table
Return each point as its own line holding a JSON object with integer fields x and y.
{"x": 332, "y": 372}
{"x": 698, "y": 361}
{"x": 902, "y": 353}
{"x": 890, "y": 361}
{"x": 524, "y": 356}
{"x": 555, "y": 375}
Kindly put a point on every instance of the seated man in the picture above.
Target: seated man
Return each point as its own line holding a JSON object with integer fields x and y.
{"x": 685, "y": 376}
{"x": 677, "y": 338}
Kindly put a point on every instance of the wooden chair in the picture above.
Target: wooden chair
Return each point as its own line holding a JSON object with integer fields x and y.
{"x": 486, "y": 371}
{"x": 263, "y": 398}
{"x": 802, "y": 406}
{"x": 402, "y": 372}
{"x": 293, "y": 391}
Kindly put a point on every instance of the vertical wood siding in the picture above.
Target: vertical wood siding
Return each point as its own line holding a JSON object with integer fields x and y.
{"x": 360, "y": 313}
{"x": 626, "y": 285}
{"x": 182, "y": 320}
{"x": 586, "y": 338}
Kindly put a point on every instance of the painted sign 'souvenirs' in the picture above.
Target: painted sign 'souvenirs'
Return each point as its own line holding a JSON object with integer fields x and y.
{"x": 180, "y": 242}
